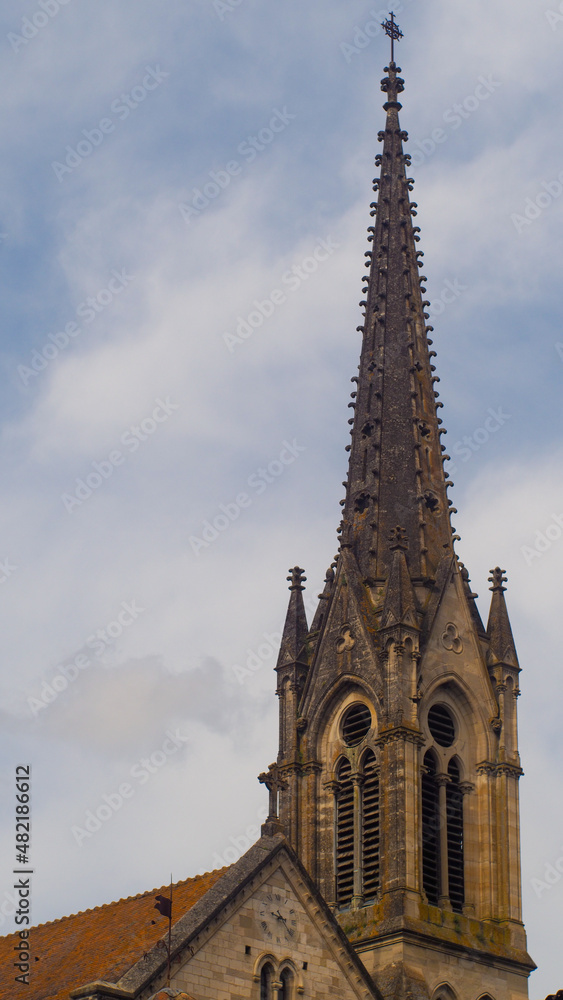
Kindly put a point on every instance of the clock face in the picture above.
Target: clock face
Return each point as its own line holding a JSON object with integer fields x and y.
{"x": 277, "y": 918}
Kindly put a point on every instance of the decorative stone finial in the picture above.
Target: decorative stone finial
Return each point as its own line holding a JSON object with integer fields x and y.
{"x": 498, "y": 578}
{"x": 467, "y": 582}
{"x": 297, "y": 578}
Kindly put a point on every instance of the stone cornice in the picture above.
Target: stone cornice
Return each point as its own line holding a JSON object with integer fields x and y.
{"x": 312, "y": 767}
{"x": 402, "y": 734}
{"x": 487, "y": 767}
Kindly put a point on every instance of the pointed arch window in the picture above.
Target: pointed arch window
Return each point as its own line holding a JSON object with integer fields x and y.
{"x": 370, "y": 825}
{"x": 266, "y": 980}
{"x": 443, "y": 877}
{"x": 357, "y": 845}
{"x": 286, "y": 980}
{"x": 344, "y": 834}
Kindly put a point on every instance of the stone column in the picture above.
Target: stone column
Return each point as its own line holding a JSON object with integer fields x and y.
{"x": 442, "y": 780}
{"x": 310, "y": 817}
{"x": 328, "y": 881}
{"x": 357, "y": 898}
{"x": 470, "y": 850}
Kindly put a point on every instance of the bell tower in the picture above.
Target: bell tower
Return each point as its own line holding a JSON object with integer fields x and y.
{"x": 398, "y": 761}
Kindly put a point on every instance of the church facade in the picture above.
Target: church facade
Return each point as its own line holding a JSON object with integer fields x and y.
{"x": 389, "y": 865}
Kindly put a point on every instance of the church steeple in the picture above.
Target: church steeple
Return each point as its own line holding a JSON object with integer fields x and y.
{"x": 396, "y": 474}
{"x": 398, "y": 746}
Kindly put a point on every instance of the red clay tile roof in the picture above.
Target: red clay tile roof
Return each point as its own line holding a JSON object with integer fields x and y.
{"x": 99, "y": 944}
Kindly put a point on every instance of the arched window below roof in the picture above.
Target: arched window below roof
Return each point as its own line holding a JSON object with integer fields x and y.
{"x": 286, "y": 979}
{"x": 266, "y": 981}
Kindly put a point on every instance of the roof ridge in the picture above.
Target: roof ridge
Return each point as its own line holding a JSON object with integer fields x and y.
{"x": 125, "y": 899}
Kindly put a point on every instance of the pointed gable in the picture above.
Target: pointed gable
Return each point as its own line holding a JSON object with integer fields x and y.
{"x": 274, "y": 915}
{"x": 347, "y": 640}
{"x": 400, "y": 605}
{"x": 264, "y": 909}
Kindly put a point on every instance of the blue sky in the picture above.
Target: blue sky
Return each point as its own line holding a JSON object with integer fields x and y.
{"x": 114, "y": 117}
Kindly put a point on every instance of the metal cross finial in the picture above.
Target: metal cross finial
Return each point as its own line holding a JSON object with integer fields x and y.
{"x": 392, "y": 29}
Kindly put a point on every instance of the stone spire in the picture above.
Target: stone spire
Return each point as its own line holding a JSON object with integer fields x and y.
{"x": 502, "y": 648}
{"x": 296, "y": 627}
{"x": 396, "y": 474}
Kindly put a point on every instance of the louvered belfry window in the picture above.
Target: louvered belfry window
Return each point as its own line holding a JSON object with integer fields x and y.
{"x": 430, "y": 831}
{"x": 356, "y": 725}
{"x": 442, "y": 815}
{"x": 344, "y": 834}
{"x": 441, "y": 725}
{"x": 356, "y": 811}
{"x": 454, "y": 799}
{"x": 370, "y": 826}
